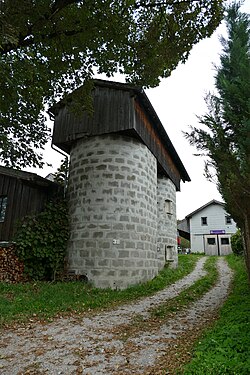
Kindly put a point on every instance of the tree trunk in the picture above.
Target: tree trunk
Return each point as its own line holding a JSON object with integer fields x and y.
{"x": 246, "y": 235}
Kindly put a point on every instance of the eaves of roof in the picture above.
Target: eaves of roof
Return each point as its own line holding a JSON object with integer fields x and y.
{"x": 27, "y": 176}
{"x": 204, "y": 206}
{"x": 145, "y": 102}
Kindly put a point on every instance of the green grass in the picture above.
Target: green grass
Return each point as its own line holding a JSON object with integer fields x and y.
{"x": 225, "y": 349}
{"x": 41, "y": 300}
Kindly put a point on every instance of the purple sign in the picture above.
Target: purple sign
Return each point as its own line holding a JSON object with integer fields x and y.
{"x": 217, "y": 231}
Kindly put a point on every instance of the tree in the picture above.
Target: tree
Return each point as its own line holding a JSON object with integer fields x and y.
{"x": 50, "y": 47}
{"x": 237, "y": 243}
{"x": 184, "y": 244}
{"x": 226, "y": 137}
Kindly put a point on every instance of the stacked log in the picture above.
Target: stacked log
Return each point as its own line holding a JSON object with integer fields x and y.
{"x": 11, "y": 268}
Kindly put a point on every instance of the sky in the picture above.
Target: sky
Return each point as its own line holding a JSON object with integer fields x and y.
{"x": 178, "y": 100}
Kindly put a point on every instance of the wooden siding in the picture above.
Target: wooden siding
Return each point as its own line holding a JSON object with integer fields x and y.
{"x": 23, "y": 198}
{"x": 120, "y": 108}
{"x": 216, "y": 215}
{"x": 151, "y": 138}
{"x": 113, "y": 112}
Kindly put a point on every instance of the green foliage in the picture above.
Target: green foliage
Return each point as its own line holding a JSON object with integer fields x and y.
{"x": 184, "y": 243}
{"x": 225, "y": 349}
{"x": 50, "y": 47}
{"x": 19, "y": 302}
{"x": 237, "y": 243}
{"x": 61, "y": 175}
{"x": 41, "y": 241}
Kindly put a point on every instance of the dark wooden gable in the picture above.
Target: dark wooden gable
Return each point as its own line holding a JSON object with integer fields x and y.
{"x": 119, "y": 108}
{"x": 113, "y": 112}
{"x": 26, "y": 193}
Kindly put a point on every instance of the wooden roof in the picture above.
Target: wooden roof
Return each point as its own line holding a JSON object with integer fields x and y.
{"x": 26, "y": 194}
{"x": 124, "y": 109}
{"x": 26, "y": 176}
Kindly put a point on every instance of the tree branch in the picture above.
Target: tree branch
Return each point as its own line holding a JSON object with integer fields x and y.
{"x": 26, "y": 40}
{"x": 142, "y": 4}
{"x": 61, "y": 4}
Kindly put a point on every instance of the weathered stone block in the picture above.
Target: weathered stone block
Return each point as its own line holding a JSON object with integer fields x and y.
{"x": 117, "y": 263}
{"x": 123, "y": 253}
{"x": 124, "y": 218}
{"x": 129, "y": 245}
{"x": 103, "y": 263}
{"x": 129, "y": 263}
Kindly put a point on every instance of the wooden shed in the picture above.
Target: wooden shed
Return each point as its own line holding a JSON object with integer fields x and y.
{"x": 21, "y": 193}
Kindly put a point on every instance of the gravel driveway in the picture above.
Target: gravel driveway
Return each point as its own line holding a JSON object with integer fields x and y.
{"x": 100, "y": 344}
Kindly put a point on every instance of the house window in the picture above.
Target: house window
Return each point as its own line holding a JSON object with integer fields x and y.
{"x": 225, "y": 241}
{"x": 3, "y": 205}
{"x": 228, "y": 219}
{"x": 204, "y": 221}
{"x": 168, "y": 207}
{"x": 211, "y": 241}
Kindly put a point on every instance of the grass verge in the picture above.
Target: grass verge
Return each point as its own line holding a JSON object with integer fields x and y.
{"x": 40, "y": 300}
{"x": 225, "y": 349}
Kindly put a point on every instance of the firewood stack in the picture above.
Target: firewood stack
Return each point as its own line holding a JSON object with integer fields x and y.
{"x": 11, "y": 268}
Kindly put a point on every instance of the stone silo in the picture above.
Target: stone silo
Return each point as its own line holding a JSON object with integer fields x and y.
{"x": 124, "y": 173}
{"x": 113, "y": 210}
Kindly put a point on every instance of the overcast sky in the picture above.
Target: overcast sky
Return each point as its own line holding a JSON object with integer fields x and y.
{"x": 178, "y": 100}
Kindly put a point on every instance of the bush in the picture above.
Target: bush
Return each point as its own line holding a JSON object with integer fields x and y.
{"x": 41, "y": 241}
{"x": 237, "y": 243}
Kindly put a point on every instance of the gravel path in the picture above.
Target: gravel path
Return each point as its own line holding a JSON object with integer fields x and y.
{"x": 99, "y": 344}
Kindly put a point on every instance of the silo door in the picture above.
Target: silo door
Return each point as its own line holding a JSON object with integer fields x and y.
{"x": 211, "y": 244}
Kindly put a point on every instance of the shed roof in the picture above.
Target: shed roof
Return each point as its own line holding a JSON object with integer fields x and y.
{"x": 27, "y": 176}
{"x": 213, "y": 201}
{"x": 166, "y": 147}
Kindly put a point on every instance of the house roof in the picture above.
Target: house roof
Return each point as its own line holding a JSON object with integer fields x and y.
{"x": 204, "y": 206}
{"x": 142, "y": 98}
{"x": 27, "y": 176}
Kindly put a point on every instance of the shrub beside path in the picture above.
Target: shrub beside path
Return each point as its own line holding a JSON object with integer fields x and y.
{"x": 105, "y": 344}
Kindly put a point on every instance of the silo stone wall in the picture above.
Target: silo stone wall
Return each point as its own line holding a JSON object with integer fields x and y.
{"x": 113, "y": 211}
{"x": 167, "y": 223}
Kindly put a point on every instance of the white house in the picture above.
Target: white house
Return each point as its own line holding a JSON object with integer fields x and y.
{"x": 211, "y": 228}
